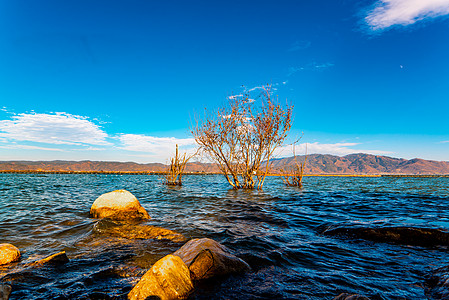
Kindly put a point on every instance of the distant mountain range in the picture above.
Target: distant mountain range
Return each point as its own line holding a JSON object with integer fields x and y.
{"x": 361, "y": 163}
{"x": 316, "y": 164}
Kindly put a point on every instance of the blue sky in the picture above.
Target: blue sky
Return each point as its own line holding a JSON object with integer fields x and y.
{"x": 123, "y": 80}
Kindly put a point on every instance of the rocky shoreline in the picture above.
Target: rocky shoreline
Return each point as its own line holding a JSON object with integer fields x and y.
{"x": 176, "y": 275}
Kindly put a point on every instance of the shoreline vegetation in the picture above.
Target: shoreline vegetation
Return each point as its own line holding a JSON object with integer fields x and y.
{"x": 209, "y": 173}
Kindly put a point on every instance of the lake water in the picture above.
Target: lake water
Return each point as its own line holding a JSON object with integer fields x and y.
{"x": 279, "y": 231}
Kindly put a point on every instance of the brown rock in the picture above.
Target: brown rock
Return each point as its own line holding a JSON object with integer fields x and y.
{"x": 207, "y": 258}
{"x": 169, "y": 278}
{"x": 8, "y": 253}
{"x": 129, "y": 231}
{"x": 58, "y": 258}
{"x": 118, "y": 205}
{"x": 5, "y": 291}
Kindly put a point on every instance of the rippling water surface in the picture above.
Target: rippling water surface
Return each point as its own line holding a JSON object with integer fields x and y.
{"x": 278, "y": 231}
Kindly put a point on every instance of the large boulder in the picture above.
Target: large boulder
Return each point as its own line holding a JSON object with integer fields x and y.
{"x": 169, "y": 278}
{"x": 207, "y": 258}
{"x": 118, "y": 205}
{"x": 8, "y": 253}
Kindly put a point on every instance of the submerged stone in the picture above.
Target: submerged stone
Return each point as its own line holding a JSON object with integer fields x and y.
{"x": 5, "y": 291}
{"x": 347, "y": 296}
{"x": 134, "y": 231}
{"x": 8, "y": 254}
{"x": 169, "y": 278}
{"x": 55, "y": 259}
{"x": 437, "y": 284}
{"x": 207, "y": 258}
{"x": 426, "y": 237}
{"x": 118, "y": 205}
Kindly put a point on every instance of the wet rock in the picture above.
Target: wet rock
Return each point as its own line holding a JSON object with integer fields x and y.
{"x": 207, "y": 258}
{"x": 129, "y": 231}
{"x": 8, "y": 253}
{"x": 118, "y": 205}
{"x": 346, "y": 296}
{"x": 55, "y": 259}
{"x": 98, "y": 296}
{"x": 5, "y": 291}
{"x": 426, "y": 237}
{"x": 437, "y": 284}
{"x": 25, "y": 276}
{"x": 169, "y": 278}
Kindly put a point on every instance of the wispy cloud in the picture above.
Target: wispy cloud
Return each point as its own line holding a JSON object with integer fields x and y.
{"x": 233, "y": 97}
{"x": 56, "y": 128}
{"x": 28, "y": 147}
{"x": 156, "y": 147}
{"x": 262, "y": 87}
{"x": 387, "y": 13}
{"x": 334, "y": 149}
{"x": 312, "y": 66}
{"x": 299, "y": 45}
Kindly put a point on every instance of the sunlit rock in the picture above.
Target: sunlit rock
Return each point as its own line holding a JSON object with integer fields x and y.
{"x": 55, "y": 259}
{"x": 5, "y": 291}
{"x": 169, "y": 278}
{"x": 207, "y": 258}
{"x": 347, "y": 296}
{"x": 118, "y": 205}
{"x": 8, "y": 253}
{"x": 131, "y": 231}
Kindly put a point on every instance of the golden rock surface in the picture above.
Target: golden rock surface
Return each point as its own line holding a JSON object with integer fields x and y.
{"x": 130, "y": 231}
{"x": 168, "y": 279}
{"x": 118, "y": 205}
{"x": 8, "y": 253}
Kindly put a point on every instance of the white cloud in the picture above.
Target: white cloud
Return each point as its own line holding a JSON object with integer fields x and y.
{"x": 322, "y": 66}
{"x": 57, "y": 128}
{"x": 159, "y": 148}
{"x": 387, "y": 13}
{"x": 339, "y": 149}
{"x": 28, "y": 147}
{"x": 312, "y": 66}
{"x": 257, "y": 88}
{"x": 299, "y": 45}
{"x": 233, "y": 97}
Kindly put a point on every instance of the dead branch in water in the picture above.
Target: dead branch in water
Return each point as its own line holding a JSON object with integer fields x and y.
{"x": 176, "y": 168}
{"x": 293, "y": 176}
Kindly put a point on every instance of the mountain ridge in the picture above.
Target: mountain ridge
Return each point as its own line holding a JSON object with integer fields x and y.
{"x": 351, "y": 164}
{"x": 362, "y": 163}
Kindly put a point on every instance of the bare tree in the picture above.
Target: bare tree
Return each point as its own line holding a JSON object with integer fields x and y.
{"x": 242, "y": 136}
{"x": 293, "y": 176}
{"x": 176, "y": 168}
